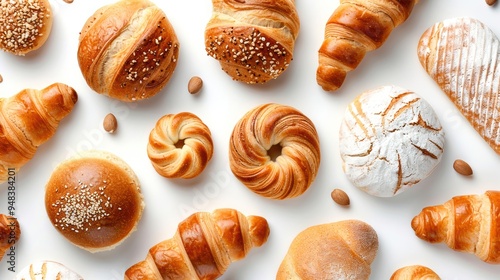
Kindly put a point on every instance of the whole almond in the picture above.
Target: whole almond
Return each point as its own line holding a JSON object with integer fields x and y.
{"x": 110, "y": 123}
{"x": 1, "y": 78}
{"x": 491, "y": 2}
{"x": 340, "y": 197}
{"x": 462, "y": 167}
{"x": 195, "y": 84}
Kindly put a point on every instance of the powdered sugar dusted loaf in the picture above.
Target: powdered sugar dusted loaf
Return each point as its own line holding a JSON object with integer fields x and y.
{"x": 390, "y": 139}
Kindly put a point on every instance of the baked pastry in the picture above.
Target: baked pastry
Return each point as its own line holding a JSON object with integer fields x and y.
{"x": 94, "y": 200}
{"x": 462, "y": 55}
{"x": 338, "y": 250}
{"x": 355, "y": 28}
{"x": 49, "y": 270}
{"x": 274, "y": 151}
{"x": 29, "y": 119}
{"x": 128, "y": 50}
{"x": 180, "y": 145}
{"x": 252, "y": 40}
{"x": 414, "y": 272}
{"x": 25, "y": 25}
{"x": 466, "y": 223}
{"x": 390, "y": 140}
{"x": 203, "y": 247}
{"x": 10, "y": 232}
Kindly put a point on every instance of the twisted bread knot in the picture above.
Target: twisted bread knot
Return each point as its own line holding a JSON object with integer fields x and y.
{"x": 264, "y": 129}
{"x": 180, "y": 146}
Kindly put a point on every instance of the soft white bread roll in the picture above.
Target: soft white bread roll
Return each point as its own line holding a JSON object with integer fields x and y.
{"x": 94, "y": 200}
{"x": 414, "y": 272}
{"x": 47, "y": 270}
{"x": 390, "y": 139}
{"x": 338, "y": 250}
{"x": 128, "y": 50}
{"x": 25, "y": 25}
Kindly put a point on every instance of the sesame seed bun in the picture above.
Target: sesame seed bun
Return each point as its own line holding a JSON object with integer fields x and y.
{"x": 94, "y": 200}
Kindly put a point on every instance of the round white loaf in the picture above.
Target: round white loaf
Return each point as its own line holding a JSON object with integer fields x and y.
{"x": 390, "y": 139}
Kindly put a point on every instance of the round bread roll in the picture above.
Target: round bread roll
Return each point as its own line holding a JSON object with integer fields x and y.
{"x": 128, "y": 50}
{"x": 25, "y": 25}
{"x": 47, "y": 270}
{"x": 390, "y": 139}
{"x": 274, "y": 151}
{"x": 414, "y": 272}
{"x": 180, "y": 146}
{"x": 94, "y": 200}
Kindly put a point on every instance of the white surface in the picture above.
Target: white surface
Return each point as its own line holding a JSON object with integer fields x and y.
{"x": 220, "y": 104}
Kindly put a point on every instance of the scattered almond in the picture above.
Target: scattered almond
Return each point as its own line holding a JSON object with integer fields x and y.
{"x": 1, "y": 78}
{"x": 68, "y": 1}
{"x": 491, "y": 2}
{"x": 340, "y": 197}
{"x": 110, "y": 123}
{"x": 462, "y": 167}
{"x": 195, "y": 84}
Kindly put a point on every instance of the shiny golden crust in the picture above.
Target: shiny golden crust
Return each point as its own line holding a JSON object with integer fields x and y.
{"x": 10, "y": 232}
{"x": 180, "y": 146}
{"x": 252, "y": 39}
{"x": 265, "y": 128}
{"x": 414, "y": 272}
{"x": 338, "y": 250}
{"x": 128, "y": 50}
{"x": 203, "y": 247}
{"x": 94, "y": 200}
{"x": 25, "y": 25}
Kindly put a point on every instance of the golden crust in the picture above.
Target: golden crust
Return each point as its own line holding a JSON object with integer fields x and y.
{"x": 414, "y": 272}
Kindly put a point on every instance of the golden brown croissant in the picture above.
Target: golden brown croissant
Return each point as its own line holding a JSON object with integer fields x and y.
{"x": 355, "y": 28}
{"x": 467, "y": 223}
{"x": 28, "y": 119}
{"x": 203, "y": 247}
{"x": 10, "y": 232}
{"x": 252, "y": 39}
{"x": 414, "y": 272}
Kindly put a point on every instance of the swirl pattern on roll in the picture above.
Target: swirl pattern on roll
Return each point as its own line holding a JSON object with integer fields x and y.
{"x": 264, "y": 128}
{"x": 180, "y": 146}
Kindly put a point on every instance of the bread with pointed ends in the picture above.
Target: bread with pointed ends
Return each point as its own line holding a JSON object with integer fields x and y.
{"x": 355, "y": 28}
{"x": 10, "y": 232}
{"x": 25, "y": 26}
{"x": 203, "y": 247}
{"x": 94, "y": 200}
{"x": 338, "y": 250}
{"x": 414, "y": 272}
{"x": 466, "y": 223}
{"x": 47, "y": 270}
{"x": 274, "y": 151}
{"x": 29, "y": 119}
{"x": 253, "y": 40}
{"x": 390, "y": 139}
{"x": 128, "y": 50}
{"x": 180, "y": 145}
{"x": 462, "y": 55}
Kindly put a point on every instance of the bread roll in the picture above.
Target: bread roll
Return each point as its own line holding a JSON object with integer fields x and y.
{"x": 47, "y": 270}
{"x": 25, "y": 25}
{"x": 94, "y": 200}
{"x": 10, "y": 232}
{"x": 128, "y": 50}
{"x": 414, "y": 272}
{"x": 390, "y": 139}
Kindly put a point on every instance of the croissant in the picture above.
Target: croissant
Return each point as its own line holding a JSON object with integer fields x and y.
{"x": 10, "y": 232}
{"x": 28, "y": 119}
{"x": 467, "y": 223}
{"x": 203, "y": 247}
{"x": 252, "y": 39}
{"x": 355, "y": 28}
{"x": 414, "y": 272}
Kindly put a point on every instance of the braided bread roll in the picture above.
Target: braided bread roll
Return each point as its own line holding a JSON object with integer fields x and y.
{"x": 414, "y": 272}
{"x": 203, "y": 247}
{"x": 355, "y": 28}
{"x": 180, "y": 146}
{"x": 262, "y": 131}
{"x": 252, "y": 39}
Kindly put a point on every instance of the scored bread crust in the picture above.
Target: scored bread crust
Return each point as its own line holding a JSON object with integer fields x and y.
{"x": 94, "y": 200}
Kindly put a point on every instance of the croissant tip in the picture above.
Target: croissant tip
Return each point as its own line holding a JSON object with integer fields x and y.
{"x": 259, "y": 229}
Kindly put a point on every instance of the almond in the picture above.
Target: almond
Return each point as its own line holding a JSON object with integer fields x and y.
{"x": 491, "y": 2}
{"x": 110, "y": 123}
{"x": 340, "y": 197}
{"x": 462, "y": 167}
{"x": 195, "y": 84}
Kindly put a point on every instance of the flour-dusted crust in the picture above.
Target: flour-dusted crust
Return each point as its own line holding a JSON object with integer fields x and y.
{"x": 390, "y": 139}
{"x": 42, "y": 270}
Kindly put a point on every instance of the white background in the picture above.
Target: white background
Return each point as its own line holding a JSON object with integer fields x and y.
{"x": 220, "y": 104}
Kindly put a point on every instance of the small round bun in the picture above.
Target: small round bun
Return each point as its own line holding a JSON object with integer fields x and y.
{"x": 94, "y": 200}
{"x": 47, "y": 270}
{"x": 274, "y": 151}
{"x": 415, "y": 272}
{"x": 24, "y": 25}
{"x": 390, "y": 140}
{"x": 180, "y": 146}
